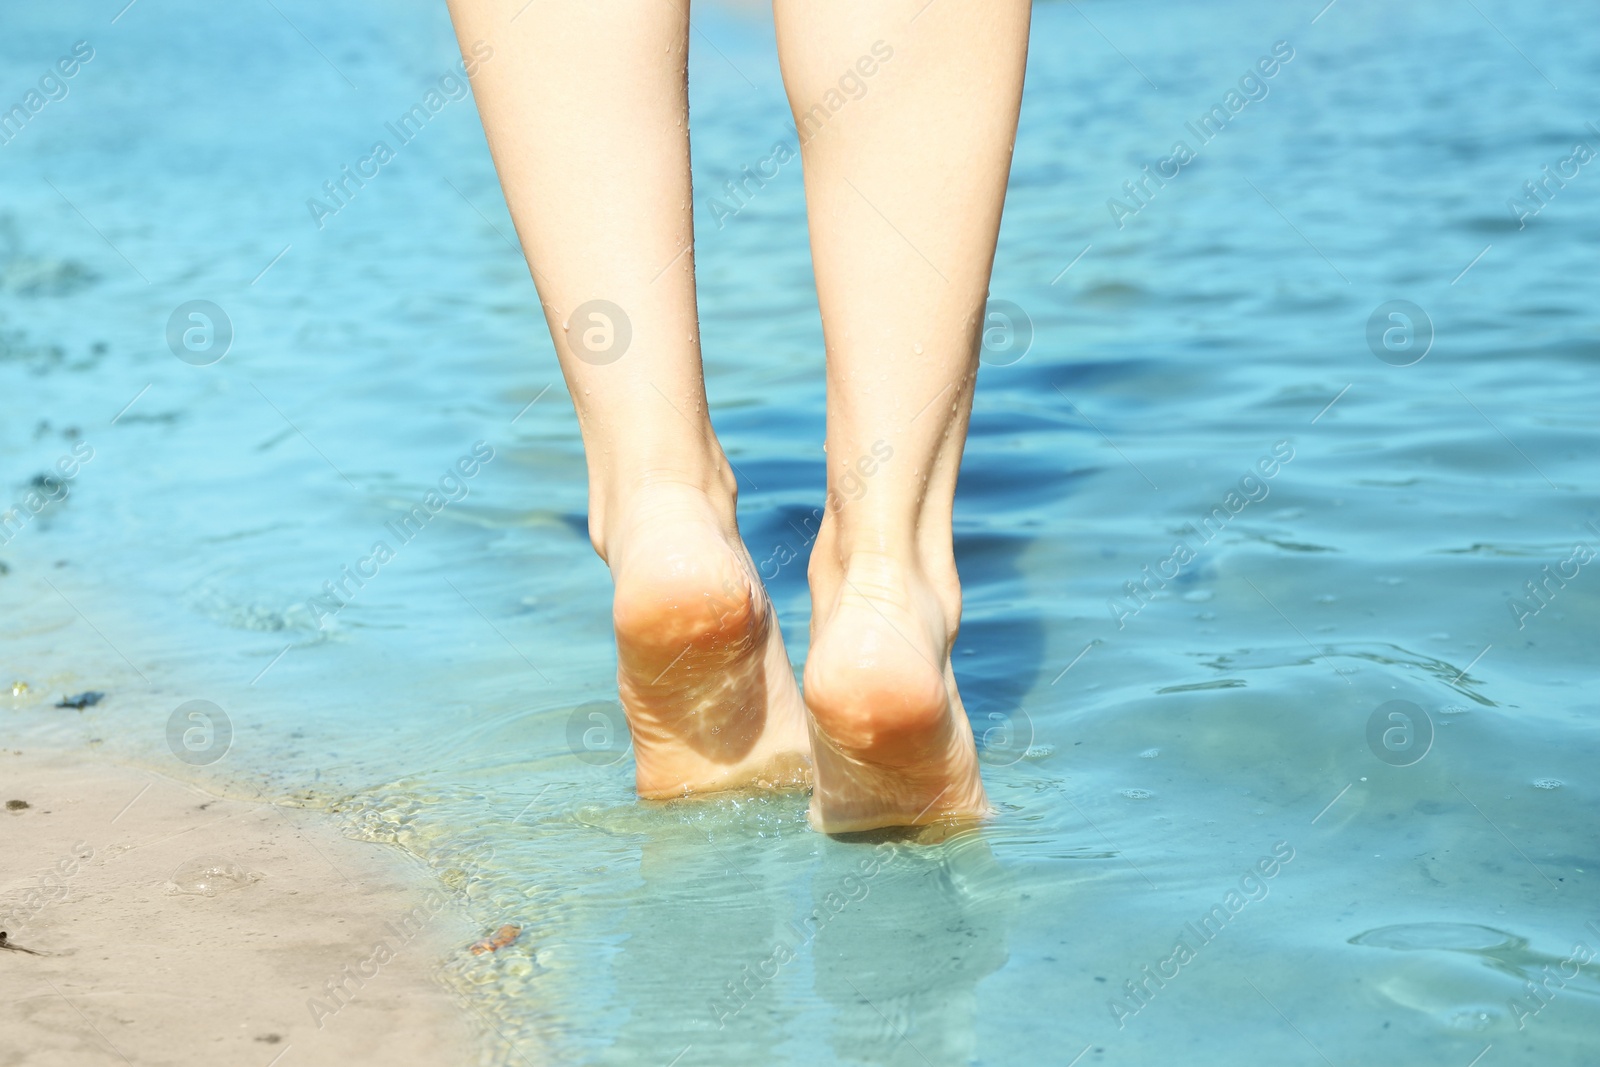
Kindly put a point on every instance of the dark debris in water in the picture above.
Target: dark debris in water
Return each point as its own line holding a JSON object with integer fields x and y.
{"x": 502, "y": 937}
{"x": 1220, "y": 683}
{"x": 16, "y": 948}
{"x": 87, "y": 699}
{"x": 44, "y": 429}
{"x": 51, "y": 484}
{"x": 16, "y": 348}
{"x": 163, "y": 418}
{"x": 17, "y": 805}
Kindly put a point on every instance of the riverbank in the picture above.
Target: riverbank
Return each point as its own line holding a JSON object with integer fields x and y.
{"x": 163, "y": 924}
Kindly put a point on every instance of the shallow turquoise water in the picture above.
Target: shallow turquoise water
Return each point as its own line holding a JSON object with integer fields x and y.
{"x": 1144, "y": 761}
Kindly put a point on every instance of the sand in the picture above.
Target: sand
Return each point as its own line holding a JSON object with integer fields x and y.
{"x": 310, "y": 949}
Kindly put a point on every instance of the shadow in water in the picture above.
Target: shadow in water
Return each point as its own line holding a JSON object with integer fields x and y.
{"x": 999, "y": 653}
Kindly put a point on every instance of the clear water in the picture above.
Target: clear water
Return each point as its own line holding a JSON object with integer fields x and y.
{"x": 1141, "y": 770}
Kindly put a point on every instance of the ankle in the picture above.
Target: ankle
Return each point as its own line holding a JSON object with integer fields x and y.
{"x": 883, "y": 564}
{"x": 620, "y": 504}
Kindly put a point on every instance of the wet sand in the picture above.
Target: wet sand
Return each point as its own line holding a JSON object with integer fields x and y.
{"x": 279, "y": 942}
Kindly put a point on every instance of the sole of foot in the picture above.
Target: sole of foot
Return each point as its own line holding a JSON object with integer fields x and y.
{"x": 890, "y": 740}
{"x": 702, "y": 673}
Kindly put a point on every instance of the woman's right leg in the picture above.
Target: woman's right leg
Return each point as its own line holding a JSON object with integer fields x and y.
{"x": 586, "y": 110}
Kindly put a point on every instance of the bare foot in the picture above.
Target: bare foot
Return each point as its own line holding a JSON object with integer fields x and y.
{"x": 701, "y": 668}
{"x": 890, "y": 739}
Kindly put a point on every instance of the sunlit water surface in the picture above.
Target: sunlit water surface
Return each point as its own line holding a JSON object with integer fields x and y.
{"x": 1143, "y": 762}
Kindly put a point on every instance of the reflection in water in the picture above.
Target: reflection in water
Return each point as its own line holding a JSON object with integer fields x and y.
{"x": 708, "y": 909}
{"x": 901, "y": 965}
{"x": 736, "y": 943}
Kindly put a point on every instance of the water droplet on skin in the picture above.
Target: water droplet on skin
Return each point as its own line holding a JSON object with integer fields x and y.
{"x": 916, "y": 348}
{"x": 208, "y": 876}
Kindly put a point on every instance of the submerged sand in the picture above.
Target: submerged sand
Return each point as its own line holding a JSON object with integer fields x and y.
{"x": 173, "y": 927}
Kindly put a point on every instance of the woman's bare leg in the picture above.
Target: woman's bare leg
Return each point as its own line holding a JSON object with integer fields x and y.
{"x": 904, "y": 187}
{"x": 586, "y": 110}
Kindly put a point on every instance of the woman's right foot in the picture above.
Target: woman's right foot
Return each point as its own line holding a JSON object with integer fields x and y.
{"x": 702, "y": 672}
{"x": 891, "y": 743}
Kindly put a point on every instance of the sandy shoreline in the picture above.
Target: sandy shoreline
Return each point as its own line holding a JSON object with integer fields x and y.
{"x": 311, "y": 948}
